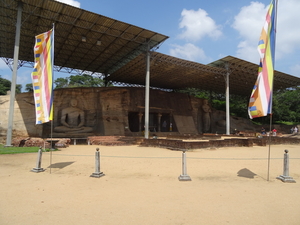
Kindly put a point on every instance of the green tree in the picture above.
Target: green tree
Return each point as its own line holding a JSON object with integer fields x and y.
{"x": 238, "y": 104}
{"x": 79, "y": 81}
{"x": 18, "y": 88}
{"x": 286, "y": 105}
{"x": 5, "y": 86}
{"x": 61, "y": 83}
{"x": 29, "y": 87}
{"x": 86, "y": 81}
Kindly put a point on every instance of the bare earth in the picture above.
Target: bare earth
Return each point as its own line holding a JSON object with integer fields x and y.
{"x": 141, "y": 186}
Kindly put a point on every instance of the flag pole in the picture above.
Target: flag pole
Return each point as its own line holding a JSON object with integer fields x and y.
{"x": 51, "y": 145}
{"x": 42, "y": 79}
{"x": 271, "y": 113}
{"x": 261, "y": 99}
{"x": 269, "y": 152}
{"x": 52, "y": 64}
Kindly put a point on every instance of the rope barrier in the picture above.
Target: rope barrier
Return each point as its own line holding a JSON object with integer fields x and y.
{"x": 163, "y": 157}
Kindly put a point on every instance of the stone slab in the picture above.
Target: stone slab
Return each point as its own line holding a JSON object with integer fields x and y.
{"x": 37, "y": 170}
{"x": 97, "y": 175}
{"x": 184, "y": 178}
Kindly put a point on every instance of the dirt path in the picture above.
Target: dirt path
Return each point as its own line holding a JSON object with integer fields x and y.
{"x": 141, "y": 186}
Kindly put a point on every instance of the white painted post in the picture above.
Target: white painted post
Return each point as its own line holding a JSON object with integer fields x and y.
{"x": 38, "y": 168}
{"x": 184, "y": 176}
{"x": 97, "y": 173}
{"x": 286, "y": 177}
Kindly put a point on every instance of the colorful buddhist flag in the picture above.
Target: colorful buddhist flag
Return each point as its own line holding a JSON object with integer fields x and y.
{"x": 260, "y": 103}
{"x": 42, "y": 76}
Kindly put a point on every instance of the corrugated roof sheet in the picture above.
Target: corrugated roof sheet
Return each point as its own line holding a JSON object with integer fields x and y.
{"x": 120, "y": 42}
{"x": 169, "y": 72}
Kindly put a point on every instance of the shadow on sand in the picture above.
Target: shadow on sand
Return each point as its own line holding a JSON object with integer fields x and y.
{"x": 60, "y": 165}
{"x": 246, "y": 173}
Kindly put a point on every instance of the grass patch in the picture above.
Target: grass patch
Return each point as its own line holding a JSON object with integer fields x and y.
{"x": 256, "y": 123}
{"x": 287, "y": 123}
{"x": 17, "y": 150}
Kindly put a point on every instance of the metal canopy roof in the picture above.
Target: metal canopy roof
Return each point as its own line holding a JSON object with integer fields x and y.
{"x": 243, "y": 75}
{"x": 118, "y": 52}
{"x": 169, "y": 73}
{"x": 109, "y": 44}
{"x": 174, "y": 73}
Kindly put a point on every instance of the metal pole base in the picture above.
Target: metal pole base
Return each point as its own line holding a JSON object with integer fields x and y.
{"x": 97, "y": 174}
{"x": 286, "y": 179}
{"x": 37, "y": 170}
{"x": 184, "y": 178}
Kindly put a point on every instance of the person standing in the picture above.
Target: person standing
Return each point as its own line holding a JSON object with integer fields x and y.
{"x": 274, "y": 131}
{"x": 206, "y": 116}
{"x": 295, "y": 130}
{"x": 164, "y": 126}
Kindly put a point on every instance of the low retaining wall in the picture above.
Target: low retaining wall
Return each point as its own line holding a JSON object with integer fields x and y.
{"x": 234, "y": 142}
{"x": 194, "y": 137}
{"x": 39, "y": 142}
{"x": 164, "y": 143}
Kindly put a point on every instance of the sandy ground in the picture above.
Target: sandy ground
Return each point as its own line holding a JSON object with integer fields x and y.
{"x": 141, "y": 186}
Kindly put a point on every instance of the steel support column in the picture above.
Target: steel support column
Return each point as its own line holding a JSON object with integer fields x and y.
{"x": 227, "y": 101}
{"x": 14, "y": 76}
{"x": 147, "y": 92}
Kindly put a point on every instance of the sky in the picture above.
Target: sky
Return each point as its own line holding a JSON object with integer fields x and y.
{"x": 201, "y": 31}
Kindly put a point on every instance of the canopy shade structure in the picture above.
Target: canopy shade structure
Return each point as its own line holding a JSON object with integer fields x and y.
{"x": 243, "y": 74}
{"x": 169, "y": 72}
{"x": 84, "y": 41}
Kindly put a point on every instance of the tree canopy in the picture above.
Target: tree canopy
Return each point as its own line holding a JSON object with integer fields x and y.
{"x": 286, "y": 105}
{"x": 29, "y": 87}
{"x": 75, "y": 81}
{"x": 79, "y": 81}
{"x": 5, "y": 86}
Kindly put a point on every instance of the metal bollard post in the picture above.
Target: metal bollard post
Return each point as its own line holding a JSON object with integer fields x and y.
{"x": 97, "y": 165}
{"x": 285, "y": 177}
{"x": 38, "y": 168}
{"x": 184, "y": 176}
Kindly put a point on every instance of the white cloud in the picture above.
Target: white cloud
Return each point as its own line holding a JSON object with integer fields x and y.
{"x": 288, "y": 29}
{"x": 250, "y": 20}
{"x": 197, "y": 24}
{"x": 249, "y": 23}
{"x": 70, "y": 2}
{"x": 189, "y": 52}
{"x": 247, "y": 51}
{"x": 295, "y": 70}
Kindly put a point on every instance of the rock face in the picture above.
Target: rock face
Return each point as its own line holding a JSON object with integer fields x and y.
{"x": 116, "y": 111}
